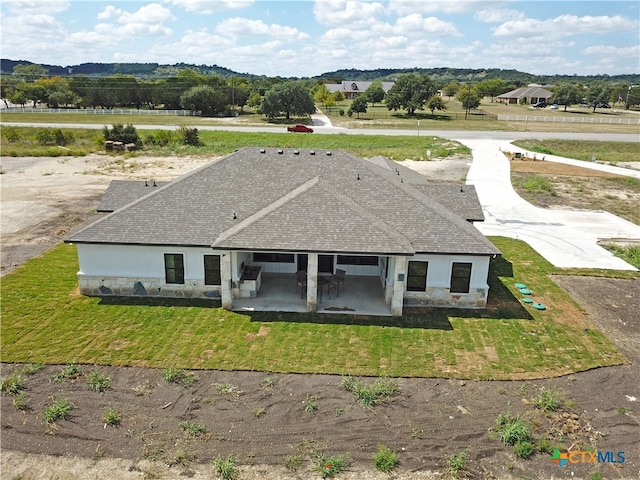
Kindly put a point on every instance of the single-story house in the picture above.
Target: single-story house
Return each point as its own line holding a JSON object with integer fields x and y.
{"x": 531, "y": 94}
{"x": 350, "y": 89}
{"x": 262, "y": 215}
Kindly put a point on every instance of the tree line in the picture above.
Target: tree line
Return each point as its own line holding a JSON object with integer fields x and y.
{"x": 210, "y": 95}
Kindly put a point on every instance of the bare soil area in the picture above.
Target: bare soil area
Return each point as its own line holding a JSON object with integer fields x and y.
{"x": 263, "y": 419}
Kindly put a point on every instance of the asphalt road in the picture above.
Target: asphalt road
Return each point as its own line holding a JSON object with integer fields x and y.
{"x": 329, "y": 130}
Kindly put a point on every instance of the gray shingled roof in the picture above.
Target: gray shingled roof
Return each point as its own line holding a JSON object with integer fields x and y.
{"x": 527, "y": 92}
{"x": 294, "y": 202}
{"x": 122, "y": 192}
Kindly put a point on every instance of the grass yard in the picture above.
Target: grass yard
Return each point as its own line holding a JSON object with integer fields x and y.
{"x": 607, "y": 152}
{"x": 45, "y": 320}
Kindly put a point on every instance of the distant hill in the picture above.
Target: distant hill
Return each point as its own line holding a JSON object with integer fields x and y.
{"x": 441, "y": 74}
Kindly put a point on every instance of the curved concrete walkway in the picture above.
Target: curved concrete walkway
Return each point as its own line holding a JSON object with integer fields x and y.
{"x": 566, "y": 238}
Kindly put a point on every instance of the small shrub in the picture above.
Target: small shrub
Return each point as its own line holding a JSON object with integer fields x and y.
{"x": 121, "y": 133}
{"x": 70, "y": 371}
{"x": 294, "y": 462}
{"x": 99, "y": 382}
{"x": 596, "y": 475}
{"x": 178, "y": 375}
{"x": 544, "y": 445}
{"x": 111, "y": 416}
{"x": 12, "y": 134}
{"x": 181, "y": 457}
{"x": 31, "y": 368}
{"x": 189, "y": 136}
{"x": 310, "y": 404}
{"x": 385, "y": 459}
{"x": 523, "y": 449}
{"x": 371, "y": 395}
{"x": 12, "y": 384}
{"x": 331, "y": 466}
{"x": 193, "y": 429}
{"x": 226, "y": 467}
{"x": 21, "y": 401}
{"x": 457, "y": 464}
{"x": 623, "y": 410}
{"x": 259, "y": 412}
{"x": 515, "y": 431}
{"x": 59, "y": 410}
{"x": 225, "y": 388}
{"x": 547, "y": 401}
{"x": 162, "y": 138}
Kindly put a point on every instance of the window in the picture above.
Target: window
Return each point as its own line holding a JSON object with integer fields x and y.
{"x": 274, "y": 257}
{"x": 417, "y": 276}
{"x": 357, "y": 260}
{"x": 174, "y": 267}
{"x": 212, "y": 269}
{"x": 460, "y": 277}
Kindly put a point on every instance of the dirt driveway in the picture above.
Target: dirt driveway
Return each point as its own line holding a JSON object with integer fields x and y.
{"x": 427, "y": 422}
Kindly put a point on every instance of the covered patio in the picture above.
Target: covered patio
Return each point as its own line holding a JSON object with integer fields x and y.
{"x": 361, "y": 295}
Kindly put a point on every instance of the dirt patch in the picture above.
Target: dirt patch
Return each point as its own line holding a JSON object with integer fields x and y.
{"x": 426, "y": 422}
{"x": 572, "y": 187}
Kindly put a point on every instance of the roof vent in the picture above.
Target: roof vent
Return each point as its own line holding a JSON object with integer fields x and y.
{"x": 461, "y": 189}
{"x": 329, "y": 153}
{"x": 358, "y": 177}
{"x": 296, "y": 152}
{"x": 312, "y": 152}
{"x": 146, "y": 183}
{"x": 262, "y": 150}
{"x": 235, "y": 217}
{"x": 280, "y": 151}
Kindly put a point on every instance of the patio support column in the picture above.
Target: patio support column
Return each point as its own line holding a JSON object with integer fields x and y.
{"x": 312, "y": 282}
{"x": 397, "y": 296}
{"x": 226, "y": 293}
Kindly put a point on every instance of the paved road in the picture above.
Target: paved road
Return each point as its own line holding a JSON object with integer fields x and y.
{"x": 567, "y": 239}
{"x": 322, "y": 127}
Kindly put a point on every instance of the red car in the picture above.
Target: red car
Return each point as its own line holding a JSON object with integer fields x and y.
{"x": 300, "y": 128}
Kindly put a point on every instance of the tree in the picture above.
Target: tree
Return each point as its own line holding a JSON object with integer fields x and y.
{"x": 436, "y": 102}
{"x": 492, "y": 88}
{"x": 7, "y": 88}
{"x": 122, "y": 133}
{"x": 566, "y": 94}
{"x": 451, "y": 88}
{"x": 288, "y": 98}
{"x": 375, "y": 93}
{"x": 57, "y": 92}
{"x": 410, "y": 92}
{"x": 29, "y": 73}
{"x": 30, "y": 92}
{"x": 358, "y": 105}
{"x": 598, "y": 94}
{"x": 205, "y": 99}
{"x": 469, "y": 97}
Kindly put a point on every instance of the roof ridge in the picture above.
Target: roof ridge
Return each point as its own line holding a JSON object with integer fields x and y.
{"x": 353, "y": 205}
{"x": 266, "y": 210}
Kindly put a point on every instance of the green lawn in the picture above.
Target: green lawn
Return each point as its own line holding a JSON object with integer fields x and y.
{"x": 45, "y": 320}
{"x": 610, "y": 152}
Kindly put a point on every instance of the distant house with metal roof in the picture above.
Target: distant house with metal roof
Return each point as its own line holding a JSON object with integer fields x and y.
{"x": 531, "y": 94}
{"x": 350, "y": 89}
{"x": 270, "y": 229}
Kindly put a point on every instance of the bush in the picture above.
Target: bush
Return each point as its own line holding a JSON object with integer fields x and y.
{"x": 99, "y": 382}
{"x": 70, "y": 371}
{"x": 547, "y": 401}
{"x": 59, "y": 410}
{"x": 385, "y": 459}
{"x": 226, "y": 467}
{"x": 121, "y": 133}
{"x": 178, "y": 375}
{"x": 192, "y": 429}
{"x": 523, "y": 449}
{"x": 515, "y": 431}
{"x": 162, "y": 138}
{"x": 369, "y": 396}
{"x": 12, "y": 384}
{"x": 12, "y": 134}
{"x": 189, "y": 136}
{"x": 111, "y": 416}
{"x": 457, "y": 464}
{"x": 331, "y": 466}
{"x": 21, "y": 401}
{"x": 54, "y": 136}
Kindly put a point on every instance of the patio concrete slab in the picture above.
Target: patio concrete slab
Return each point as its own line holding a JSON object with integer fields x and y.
{"x": 361, "y": 296}
{"x": 566, "y": 238}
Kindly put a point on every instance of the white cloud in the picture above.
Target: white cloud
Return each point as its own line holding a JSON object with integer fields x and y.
{"x": 499, "y": 15}
{"x": 207, "y": 7}
{"x": 564, "y": 25}
{"x": 349, "y": 13}
{"x": 110, "y": 12}
{"x": 417, "y": 24}
{"x": 26, "y": 7}
{"x": 404, "y": 7}
{"x": 245, "y": 27}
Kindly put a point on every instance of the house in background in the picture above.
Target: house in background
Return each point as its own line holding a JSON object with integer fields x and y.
{"x": 351, "y": 89}
{"x": 239, "y": 229}
{"x": 531, "y": 95}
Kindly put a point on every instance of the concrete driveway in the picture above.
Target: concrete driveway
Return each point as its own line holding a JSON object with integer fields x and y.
{"x": 567, "y": 239}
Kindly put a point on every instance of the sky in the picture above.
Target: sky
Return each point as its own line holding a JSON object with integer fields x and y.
{"x": 305, "y": 38}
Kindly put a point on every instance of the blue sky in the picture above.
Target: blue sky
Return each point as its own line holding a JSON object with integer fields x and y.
{"x": 306, "y": 38}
